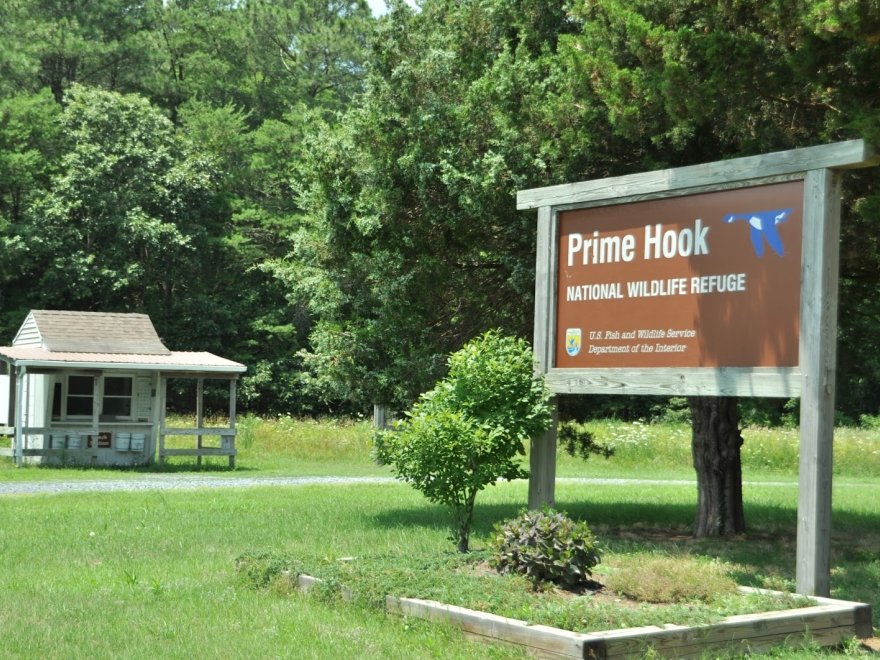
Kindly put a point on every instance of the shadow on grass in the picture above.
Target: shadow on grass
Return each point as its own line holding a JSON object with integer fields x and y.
{"x": 672, "y": 520}
{"x": 647, "y": 520}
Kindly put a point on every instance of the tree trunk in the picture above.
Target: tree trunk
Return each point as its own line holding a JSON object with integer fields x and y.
{"x": 715, "y": 444}
{"x": 464, "y": 516}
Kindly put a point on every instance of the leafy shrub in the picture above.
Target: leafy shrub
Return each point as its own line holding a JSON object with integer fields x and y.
{"x": 577, "y": 441}
{"x": 791, "y": 413}
{"x": 675, "y": 410}
{"x": 545, "y": 546}
{"x": 468, "y": 432}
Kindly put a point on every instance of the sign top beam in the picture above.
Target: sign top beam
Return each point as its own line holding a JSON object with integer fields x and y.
{"x": 851, "y": 154}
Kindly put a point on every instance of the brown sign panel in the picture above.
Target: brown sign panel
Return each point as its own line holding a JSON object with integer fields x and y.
{"x": 708, "y": 280}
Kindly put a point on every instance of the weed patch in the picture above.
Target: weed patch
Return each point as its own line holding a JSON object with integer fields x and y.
{"x": 260, "y": 569}
{"x": 669, "y": 579}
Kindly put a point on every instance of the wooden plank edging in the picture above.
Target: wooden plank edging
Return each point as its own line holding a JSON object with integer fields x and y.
{"x": 552, "y": 641}
{"x": 826, "y": 623}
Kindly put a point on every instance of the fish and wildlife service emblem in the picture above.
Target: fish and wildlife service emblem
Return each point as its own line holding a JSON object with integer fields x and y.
{"x": 573, "y": 341}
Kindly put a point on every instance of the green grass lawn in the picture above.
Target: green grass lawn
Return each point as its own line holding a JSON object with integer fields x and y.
{"x": 153, "y": 573}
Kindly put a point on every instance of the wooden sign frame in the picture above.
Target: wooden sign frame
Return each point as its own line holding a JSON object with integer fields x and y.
{"x": 813, "y": 379}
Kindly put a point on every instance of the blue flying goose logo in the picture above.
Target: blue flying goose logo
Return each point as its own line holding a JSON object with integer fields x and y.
{"x": 762, "y": 228}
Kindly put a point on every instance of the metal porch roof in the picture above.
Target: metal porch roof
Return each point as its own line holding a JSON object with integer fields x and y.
{"x": 186, "y": 361}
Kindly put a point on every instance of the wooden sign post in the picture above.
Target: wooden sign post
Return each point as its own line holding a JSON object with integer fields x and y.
{"x": 710, "y": 280}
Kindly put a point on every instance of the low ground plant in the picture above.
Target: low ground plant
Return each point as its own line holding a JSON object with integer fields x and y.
{"x": 545, "y": 546}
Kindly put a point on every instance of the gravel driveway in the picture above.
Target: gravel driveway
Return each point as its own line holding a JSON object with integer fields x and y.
{"x": 192, "y": 482}
{"x": 172, "y": 482}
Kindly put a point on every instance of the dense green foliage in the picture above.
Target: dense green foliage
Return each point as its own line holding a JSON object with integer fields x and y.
{"x": 472, "y": 428}
{"x": 545, "y": 546}
{"x": 147, "y": 159}
{"x": 576, "y": 441}
{"x": 330, "y": 197}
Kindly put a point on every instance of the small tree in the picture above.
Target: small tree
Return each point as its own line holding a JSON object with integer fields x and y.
{"x": 466, "y": 433}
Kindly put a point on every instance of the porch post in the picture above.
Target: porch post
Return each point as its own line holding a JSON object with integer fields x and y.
{"x": 8, "y": 415}
{"x": 96, "y": 410}
{"x": 200, "y": 416}
{"x": 163, "y": 387}
{"x": 232, "y": 393}
{"x": 18, "y": 440}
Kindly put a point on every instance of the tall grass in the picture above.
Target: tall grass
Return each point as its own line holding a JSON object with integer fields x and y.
{"x": 286, "y": 445}
{"x": 306, "y": 439}
{"x": 765, "y": 451}
{"x": 320, "y": 446}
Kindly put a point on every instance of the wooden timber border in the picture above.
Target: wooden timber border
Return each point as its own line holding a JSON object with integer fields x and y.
{"x": 826, "y": 623}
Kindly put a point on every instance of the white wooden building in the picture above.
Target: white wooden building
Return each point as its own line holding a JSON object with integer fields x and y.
{"x": 88, "y": 388}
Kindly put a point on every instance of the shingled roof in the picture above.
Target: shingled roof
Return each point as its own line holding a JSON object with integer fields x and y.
{"x": 96, "y": 340}
{"x": 90, "y": 332}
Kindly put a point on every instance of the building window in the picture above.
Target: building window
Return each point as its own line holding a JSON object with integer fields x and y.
{"x": 74, "y": 396}
{"x": 117, "y": 396}
{"x": 80, "y": 396}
